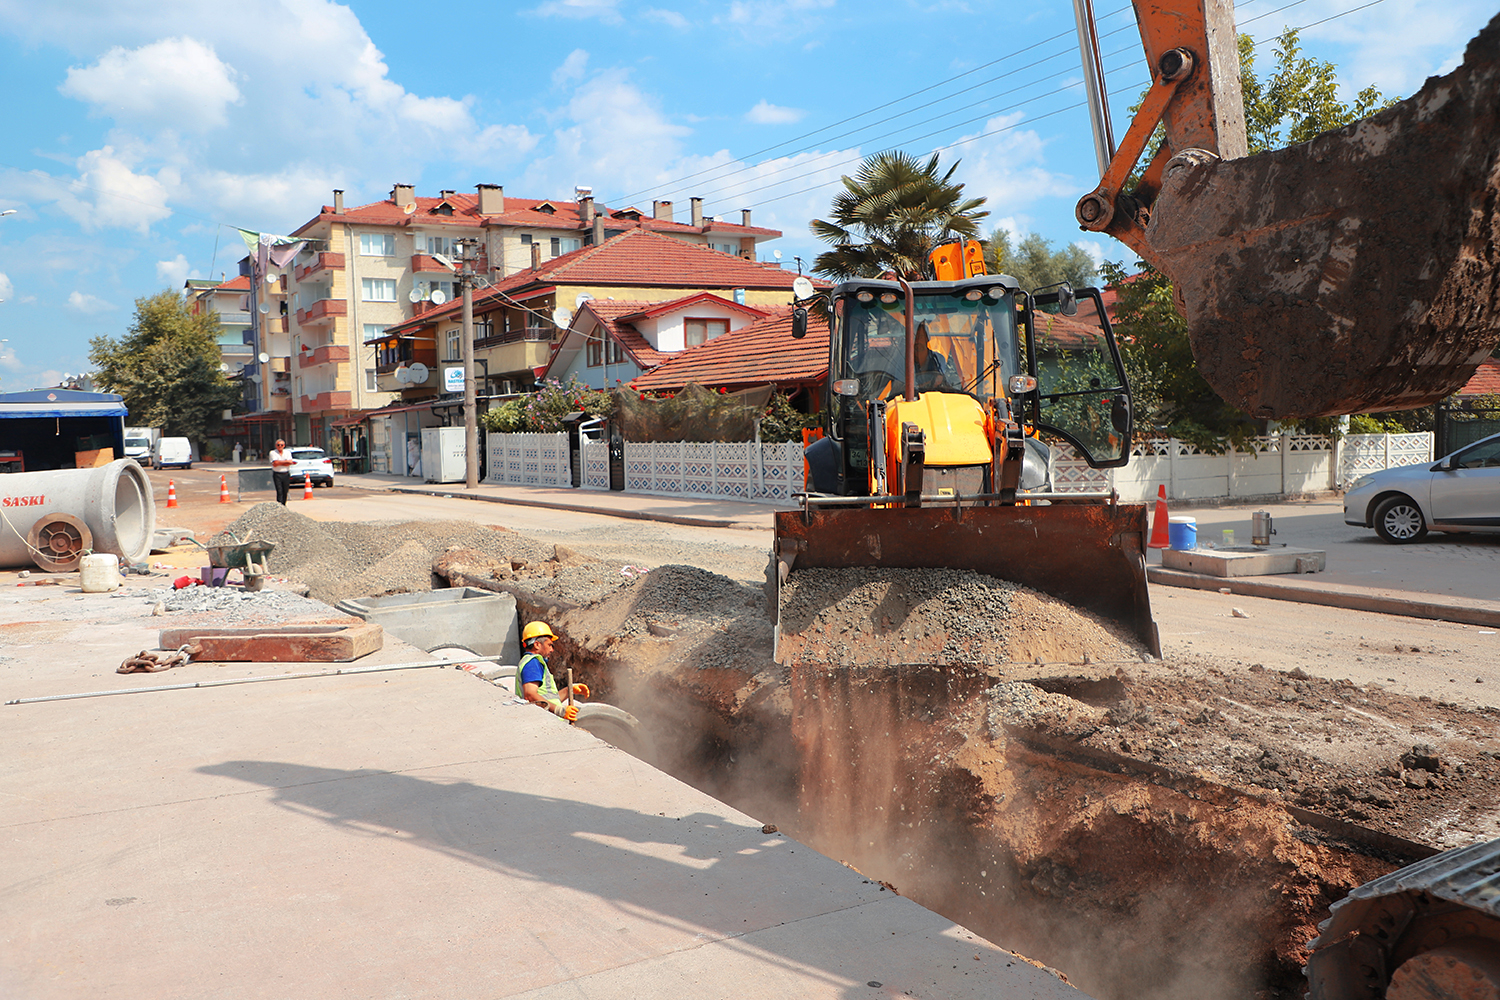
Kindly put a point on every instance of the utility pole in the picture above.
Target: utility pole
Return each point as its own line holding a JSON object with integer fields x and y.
{"x": 467, "y": 254}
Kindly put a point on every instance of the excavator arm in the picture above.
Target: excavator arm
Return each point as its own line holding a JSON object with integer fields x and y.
{"x": 1358, "y": 271}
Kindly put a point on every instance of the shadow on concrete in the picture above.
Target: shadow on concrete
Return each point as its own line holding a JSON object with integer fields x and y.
{"x": 701, "y": 874}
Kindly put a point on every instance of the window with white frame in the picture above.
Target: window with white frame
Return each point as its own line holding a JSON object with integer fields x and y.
{"x": 443, "y": 245}
{"x": 373, "y": 330}
{"x": 728, "y": 248}
{"x": 565, "y": 244}
{"x": 379, "y": 289}
{"x": 455, "y": 343}
{"x": 369, "y": 380}
{"x": 701, "y": 331}
{"x": 448, "y": 288}
{"x": 377, "y": 244}
{"x": 604, "y": 350}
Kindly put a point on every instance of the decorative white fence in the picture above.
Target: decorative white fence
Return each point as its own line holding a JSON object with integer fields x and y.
{"x": 1280, "y": 464}
{"x": 1276, "y": 465}
{"x": 528, "y": 460}
{"x": 739, "y": 470}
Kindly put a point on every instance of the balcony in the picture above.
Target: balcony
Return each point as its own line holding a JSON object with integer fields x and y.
{"x": 518, "y": 356}
{"x": 426, "y": 262}
{"x": 322, "y": 262}
{"x": 386, "y": 381}
{"x": 327, "y": 354}
{"x": 325, "y": 401}
{"x": 280, "y": 404}
{"x": 322, "y": 312}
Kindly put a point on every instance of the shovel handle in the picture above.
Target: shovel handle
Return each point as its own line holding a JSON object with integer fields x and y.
{"x": 570, "y": 687}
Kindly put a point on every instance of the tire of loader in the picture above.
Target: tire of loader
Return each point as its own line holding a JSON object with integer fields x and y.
{"x": 1442, "y": 915}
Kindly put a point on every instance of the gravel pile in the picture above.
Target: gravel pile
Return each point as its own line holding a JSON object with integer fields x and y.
{"x": 878, "y": 615}
{"x": 230, "y": 605}
{"x": 338, "y": 560}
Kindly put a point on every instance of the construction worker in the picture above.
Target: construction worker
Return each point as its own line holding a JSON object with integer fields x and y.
{"x": 534, "y": 682}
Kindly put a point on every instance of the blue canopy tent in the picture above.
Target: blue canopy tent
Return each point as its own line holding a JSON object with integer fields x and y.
{"x": 50, "y": 428}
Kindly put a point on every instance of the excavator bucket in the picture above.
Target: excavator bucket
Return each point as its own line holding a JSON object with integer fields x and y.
{"x": 1091, "y": 555}
{"x": 1357, "y": 271}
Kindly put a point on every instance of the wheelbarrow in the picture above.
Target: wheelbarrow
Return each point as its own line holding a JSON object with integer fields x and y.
{"x": 250, "y": 558}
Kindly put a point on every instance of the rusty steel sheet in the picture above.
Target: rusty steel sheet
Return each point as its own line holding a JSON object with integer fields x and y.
{"x": 1089, "y": 555}
{"x": 313, "y": 642}
{"x": 1357, "y": 271}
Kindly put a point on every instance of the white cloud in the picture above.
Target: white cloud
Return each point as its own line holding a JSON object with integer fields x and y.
{"x": 776, "y": 20}
{"x": 571, "y": 68}
{"x": 173, "y": 273}
{"x": 176, "y": 82}
{"x": 87, "y": 304}
{"x": 670, "y": 18}
{"x": 8, "y": 359}
{"x": 1005, "y": 163}
{"x": 605, "y": 10}
{"x": 7, "y": 290}
{"x": 120, "y": 196}
{"x": 766, "y": 113}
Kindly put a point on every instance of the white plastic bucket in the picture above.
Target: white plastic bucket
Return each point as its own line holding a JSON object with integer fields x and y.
{"x": 1182, "y": 532}
{"x": 100, "y": 572}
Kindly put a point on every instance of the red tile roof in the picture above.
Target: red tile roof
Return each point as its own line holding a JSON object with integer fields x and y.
{"x": 521, "y": 212}
{"x": 239, "y": 283}
{"x": 637, "y": 258}
{"x": 655, "y": 309}
{"x": 763, "y": 352}
{"x": 1485, "y": 380}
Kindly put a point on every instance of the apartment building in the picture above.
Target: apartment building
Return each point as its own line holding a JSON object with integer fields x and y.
{"x": 372, "y": 267}
{"x": 253, "y": 349}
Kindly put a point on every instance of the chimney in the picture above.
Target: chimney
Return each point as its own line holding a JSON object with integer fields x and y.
{"x": 598, "y": 229}
{"x": 586, "y": 209}
{"x": 663, "y": 211}
{"x": 338, "y": 202}
{"x": 744, "y": 217}
{"x": 491, "y": 199}
{"x": 536, "y": 256}
{"x": 403, "y": 195}
{"x": 697, "y": 204}
{"x": 446, "y": 195}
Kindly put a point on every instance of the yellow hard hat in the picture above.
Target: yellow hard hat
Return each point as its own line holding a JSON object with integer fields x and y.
{"x": 536, "y": 630}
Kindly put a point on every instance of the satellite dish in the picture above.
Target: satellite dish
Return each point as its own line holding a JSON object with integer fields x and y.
{"x": 409, "y": 209}
{"x": 264, "y": 357}
{"x": 255, "y": 378}
{"x": 403, "y": 375}
{"x": 582, "y": 298}
{"x": 562, "y": 317}
{"x": 802, "y": 288}
{"x": 416, "y": 373}
{"x": 271, "y": 277}
{"x": 414, "y": 296}
{"x": 222, "y": 367}
{"x": 264, "y": 308}
{"x": 776, "y": 254}
{"x": 438, "y": 298}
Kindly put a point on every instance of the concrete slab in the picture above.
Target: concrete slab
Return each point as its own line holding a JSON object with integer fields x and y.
{"x": 411, "y": 833}
{"x": 1247, "y": 561}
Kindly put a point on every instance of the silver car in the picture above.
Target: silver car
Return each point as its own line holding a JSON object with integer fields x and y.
{"x": 1460, "y": 492}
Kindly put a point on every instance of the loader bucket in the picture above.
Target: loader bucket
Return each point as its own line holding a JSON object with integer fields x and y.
{"x": 1357, "y": 271}
{"x": 1090, "y": 555}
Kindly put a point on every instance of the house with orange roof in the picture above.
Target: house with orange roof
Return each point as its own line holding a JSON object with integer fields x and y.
{"x": 372, "y": 267}
{"x": 759, "y": 353}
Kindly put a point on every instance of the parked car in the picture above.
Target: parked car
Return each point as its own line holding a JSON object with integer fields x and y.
{"x": 1460, "y": 492}
{"x": 172, "y": 451}
{"x": 314, "y": 463}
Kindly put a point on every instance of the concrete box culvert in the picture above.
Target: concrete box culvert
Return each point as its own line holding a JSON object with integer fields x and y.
{"x": 463, "y": 616}
{"x": 113, "y": 501}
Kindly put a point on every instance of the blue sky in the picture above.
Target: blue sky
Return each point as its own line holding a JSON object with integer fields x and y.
{"x": 139, "y": 130}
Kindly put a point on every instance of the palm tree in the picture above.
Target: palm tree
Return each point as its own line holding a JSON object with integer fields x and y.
{"x": 891, "y": 214}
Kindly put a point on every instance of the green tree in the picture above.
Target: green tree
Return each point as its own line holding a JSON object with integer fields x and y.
{"x": 891, "y": 214}
{"x": 167, "y": 368}
{"x": 1296, "y": 102}
{"x": 1035, "y": 264}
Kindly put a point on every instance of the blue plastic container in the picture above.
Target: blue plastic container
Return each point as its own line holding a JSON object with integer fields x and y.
{"x": 1182, "y": 532}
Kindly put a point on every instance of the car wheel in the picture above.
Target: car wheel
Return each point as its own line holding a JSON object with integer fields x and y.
{"x": 1399, "y": 520}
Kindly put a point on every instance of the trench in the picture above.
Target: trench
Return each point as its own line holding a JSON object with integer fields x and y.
{"x": 1127, "y": 878}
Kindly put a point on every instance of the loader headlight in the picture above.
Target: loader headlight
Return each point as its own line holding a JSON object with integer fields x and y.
{"x": 887, "y": 298}
{"x": 864, "y": 296}
{"x": 1020, "y": 385}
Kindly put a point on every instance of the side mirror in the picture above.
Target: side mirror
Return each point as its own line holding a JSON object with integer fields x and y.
{"x": 799, "y": 323}
{"x": 1067, "y": 302}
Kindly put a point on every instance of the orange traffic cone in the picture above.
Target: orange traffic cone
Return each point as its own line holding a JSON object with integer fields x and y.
{"x": 307, "y": 486}
{"x": 223, "y": 490}
{"x": 171, "y": 493}
{"x": 1159, "y": 537}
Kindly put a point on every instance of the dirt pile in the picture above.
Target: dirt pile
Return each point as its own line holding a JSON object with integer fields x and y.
{"x": 341, "y": 559}
{"x": 877, "y": 615}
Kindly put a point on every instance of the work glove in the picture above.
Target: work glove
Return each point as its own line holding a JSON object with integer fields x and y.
{"x": 580, "y": 690}
{"x": 569, "y": 712}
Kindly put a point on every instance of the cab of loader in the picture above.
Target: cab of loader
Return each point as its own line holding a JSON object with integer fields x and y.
{"x": 990, "y": 363}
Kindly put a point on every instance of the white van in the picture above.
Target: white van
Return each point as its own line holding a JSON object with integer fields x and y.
{"x": 172, "y": 451}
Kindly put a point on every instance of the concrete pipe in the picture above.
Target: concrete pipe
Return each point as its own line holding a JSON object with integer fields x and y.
{"x": 114, "y": 502}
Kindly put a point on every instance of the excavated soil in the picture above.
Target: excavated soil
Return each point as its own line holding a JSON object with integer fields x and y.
{"x": 1167, "y": 828}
